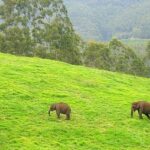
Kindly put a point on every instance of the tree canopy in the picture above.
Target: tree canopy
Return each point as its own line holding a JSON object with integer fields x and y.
{"x": 38, "y": 28}
{"x": 113, "y": 56}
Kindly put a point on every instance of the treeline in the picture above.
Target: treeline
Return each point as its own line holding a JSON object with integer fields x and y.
{"x": 38, "y": 28}
{"x": 115, "y": 56}
{"x": 42, "y": 28}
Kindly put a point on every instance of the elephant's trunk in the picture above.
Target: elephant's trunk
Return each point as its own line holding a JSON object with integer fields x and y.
{"x": 132, "y": 112}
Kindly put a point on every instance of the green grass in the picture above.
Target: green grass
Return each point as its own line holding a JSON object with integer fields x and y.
{"x": 100, "y": 102}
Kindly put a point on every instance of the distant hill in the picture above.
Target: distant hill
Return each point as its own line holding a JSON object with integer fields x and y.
{"x": 104, "y": 19}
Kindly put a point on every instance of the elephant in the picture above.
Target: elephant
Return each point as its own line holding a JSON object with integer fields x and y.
{"x": 142, "y": 107}
{"x": 61, "y": 108}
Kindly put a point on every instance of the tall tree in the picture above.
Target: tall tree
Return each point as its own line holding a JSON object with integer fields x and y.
{"x": 147, "y": 59}
{"x": 14, "y": 27}
{"x": 148, "y": 50}
{"x": 97, "y": 55}
{"x": 114, "y": 56}
{"x": 124, "y": 59}
{"x": 40, "y": 28}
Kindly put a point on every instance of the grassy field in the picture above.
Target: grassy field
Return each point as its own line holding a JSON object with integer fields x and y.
{"x": 100, "y": 102}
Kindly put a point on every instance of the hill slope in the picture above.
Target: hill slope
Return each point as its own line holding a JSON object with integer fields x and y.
{"x": 100, "y": 102}
{"x": 104, "y": 19}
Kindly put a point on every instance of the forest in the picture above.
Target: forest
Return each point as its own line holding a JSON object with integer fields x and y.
{"x": 44, "y": 29}
{"x": 105, "y": 19}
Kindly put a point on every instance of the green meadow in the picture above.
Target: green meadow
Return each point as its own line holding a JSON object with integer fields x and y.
{"x": 100, "y": 102}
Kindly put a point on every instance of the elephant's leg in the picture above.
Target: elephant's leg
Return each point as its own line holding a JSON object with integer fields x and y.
{"x": 58, "y": 113}
{"x": 140, "y": 114}
{"x": 147, "y": 116}
{"x": 67, "y": 116}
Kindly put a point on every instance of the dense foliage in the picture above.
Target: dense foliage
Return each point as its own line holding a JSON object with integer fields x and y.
{"x": 38, "y": 28}
{"x": 114, "y": 56}
{"x": 147, "y": 59}
{"x": 104, "y": 19}
{"x": 148, "y": 51}
{"x": 97, "y": 55}
{"x": 138, "y": 45}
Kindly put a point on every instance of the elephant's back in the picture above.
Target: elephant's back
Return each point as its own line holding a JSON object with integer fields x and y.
{"x": 146, "y": 107}
{"x": 64, "y": 107}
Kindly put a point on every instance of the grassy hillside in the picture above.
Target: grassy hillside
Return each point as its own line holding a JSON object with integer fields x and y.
{"x": 100, "y": 102}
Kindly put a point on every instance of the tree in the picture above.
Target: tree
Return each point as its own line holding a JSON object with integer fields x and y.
{"x": 39, "y": 28}
{"x": 114, "y": 56}
{"x": 15, "y": 28}
{"x": 97, "y": 55}
{"x": 147, "y": 59}
{"x": 148, "y": 50}
{"x": 124, "y": 59}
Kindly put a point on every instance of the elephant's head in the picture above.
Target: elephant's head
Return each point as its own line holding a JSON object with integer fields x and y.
{"x": 52, "y": 108}
{"x": 135, "y": 106}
